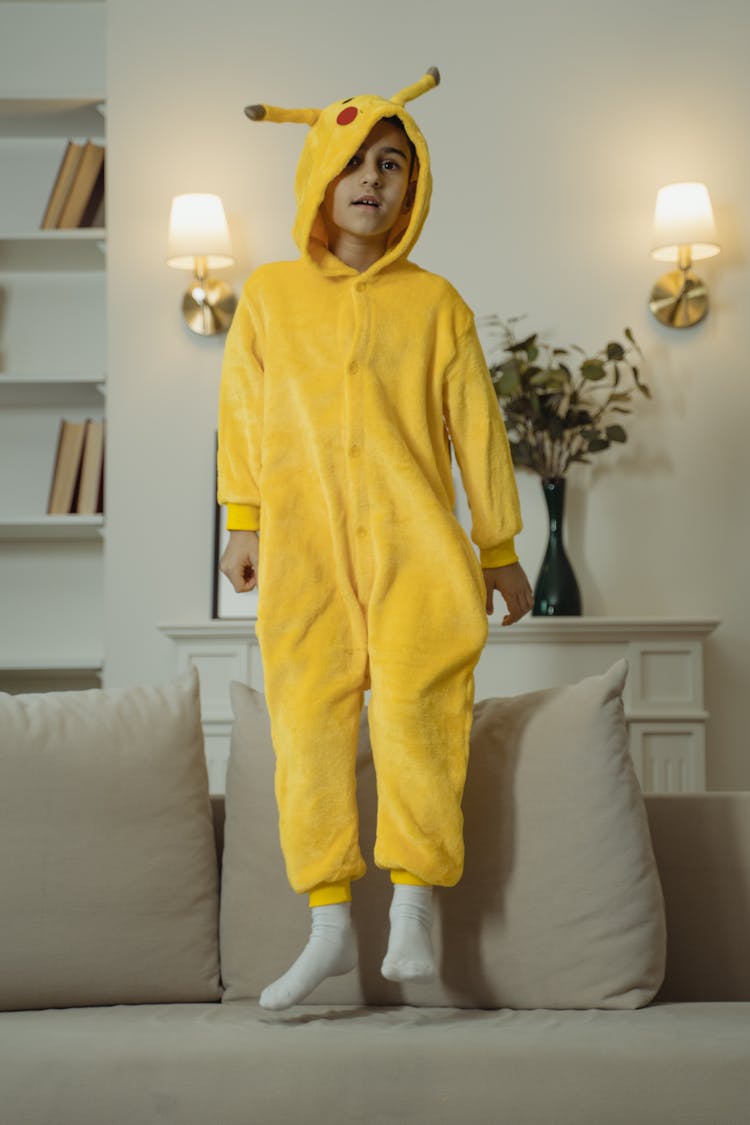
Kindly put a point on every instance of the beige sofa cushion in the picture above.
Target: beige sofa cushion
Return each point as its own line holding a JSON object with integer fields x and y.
{"x": 560, "y": 905}
{"x": 108, "y": 874}
{"x": 234, "y": 1064}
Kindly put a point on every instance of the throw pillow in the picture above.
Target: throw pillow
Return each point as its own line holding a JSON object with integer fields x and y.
{"x": 560, "y": 905}
{"x": 108, "y": 872}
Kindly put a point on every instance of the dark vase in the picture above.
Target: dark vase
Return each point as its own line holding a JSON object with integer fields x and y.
{"x": 556, "y": 593}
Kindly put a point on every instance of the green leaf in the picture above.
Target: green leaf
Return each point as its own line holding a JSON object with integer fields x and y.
{"x": 550, "y": 379}
{"x": 633, "y": 341}
{"x": 574, "y": 419}
{"x": 616, "y": 433}
{"x": 597, "y": 444}
{"x": 593, "y": 369}
{"x": 522, "y": 345}
{"x": 615, "y": 351}
{"x": 521, "y": 454}
{"x": 508, "y": 384}
{"x": 641, "y": 386}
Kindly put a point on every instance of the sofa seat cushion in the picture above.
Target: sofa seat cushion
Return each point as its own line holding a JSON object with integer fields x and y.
{"x": 189, "y": 1064}
{"x": 108, "y": 870}
{"x": 560, "y": 905}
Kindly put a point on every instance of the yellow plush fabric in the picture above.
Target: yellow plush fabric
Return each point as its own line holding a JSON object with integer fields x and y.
{"x": 330, "y": 894}
{"x": 342, "y": 395}
{"x": 242, "y": 517}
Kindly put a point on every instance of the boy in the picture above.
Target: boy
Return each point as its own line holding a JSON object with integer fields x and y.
{"x": 347, "y": 375}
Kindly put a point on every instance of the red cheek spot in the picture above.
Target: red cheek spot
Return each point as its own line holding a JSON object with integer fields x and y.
{"x": 347, "y": 115}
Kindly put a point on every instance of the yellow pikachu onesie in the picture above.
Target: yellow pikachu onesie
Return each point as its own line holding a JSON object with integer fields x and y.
{"x": 341, "y": 393}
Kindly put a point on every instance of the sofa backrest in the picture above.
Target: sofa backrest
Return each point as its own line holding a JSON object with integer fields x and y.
{"x": 702, "y": 847}
{"x": 701, "y": 843}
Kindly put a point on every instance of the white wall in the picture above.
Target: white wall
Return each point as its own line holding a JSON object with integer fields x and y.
{"x": 550, "y": 134}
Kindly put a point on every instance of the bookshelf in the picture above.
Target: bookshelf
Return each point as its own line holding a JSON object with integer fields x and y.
{"x": 52, "y": 366}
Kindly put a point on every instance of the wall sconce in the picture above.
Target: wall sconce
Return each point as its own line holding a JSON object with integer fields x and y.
{"x": 684, "y": 231}
{"x": 199, "y": 241}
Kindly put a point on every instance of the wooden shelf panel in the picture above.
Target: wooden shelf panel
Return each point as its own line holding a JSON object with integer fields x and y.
{"x": 51, "y": 117}
{"x": 54, "y": 388}
{"x": 77, "y": 234}
{"x": 46, "y": 528}
{"x": 54, "y": 667}
{"x": 42, "y": 251}
{"x": 52, "y": 378}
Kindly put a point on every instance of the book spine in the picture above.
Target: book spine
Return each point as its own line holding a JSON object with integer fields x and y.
{"x": 67, "y": 469}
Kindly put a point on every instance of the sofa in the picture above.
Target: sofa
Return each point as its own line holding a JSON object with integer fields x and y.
{"x": 593, "y": 960}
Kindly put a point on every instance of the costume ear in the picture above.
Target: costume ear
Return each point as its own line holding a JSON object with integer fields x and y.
{"x": 277, "y": 114}
{"x": 427, "y": 82}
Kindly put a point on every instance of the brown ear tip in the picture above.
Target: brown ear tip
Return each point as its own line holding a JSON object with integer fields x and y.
{"x": 433, "y": 70}
{"x": 255, "y": 112}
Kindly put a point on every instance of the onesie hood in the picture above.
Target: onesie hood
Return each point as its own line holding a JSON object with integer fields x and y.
{"x": 336, "y": 133}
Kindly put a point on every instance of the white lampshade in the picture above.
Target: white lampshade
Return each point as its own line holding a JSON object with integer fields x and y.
{"x": 683, "y": 217}
{"x": 198, "y": 228}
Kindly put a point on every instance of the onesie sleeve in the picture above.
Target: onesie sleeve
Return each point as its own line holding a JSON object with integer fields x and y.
{"x": 241, "y": 420}
{"x": 477, "y": 431}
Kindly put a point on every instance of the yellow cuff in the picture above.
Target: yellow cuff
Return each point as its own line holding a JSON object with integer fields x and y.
{"x": 329, "y": 894}
{"x": 243, "y": 517}
{"x": 403, "y": 878}
{"x": 502, "y": 555}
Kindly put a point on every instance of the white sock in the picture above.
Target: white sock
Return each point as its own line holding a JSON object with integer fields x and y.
{"x": 330, "y": 952}
{"x": 410, "y": 955}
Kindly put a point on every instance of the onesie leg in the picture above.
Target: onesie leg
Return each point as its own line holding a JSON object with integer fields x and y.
{"x": 314, "y": 693}
{"x": 420, "y": 743}
{"x": 331, "y": 951}
{"x": 410, "y": 956}
{"x": 425, "y": 638}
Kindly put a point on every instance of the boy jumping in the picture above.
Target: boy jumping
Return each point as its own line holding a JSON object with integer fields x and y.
{"x": 348, "y": 374}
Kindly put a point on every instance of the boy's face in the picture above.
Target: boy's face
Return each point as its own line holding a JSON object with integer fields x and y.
{"x": 366, "y": 199}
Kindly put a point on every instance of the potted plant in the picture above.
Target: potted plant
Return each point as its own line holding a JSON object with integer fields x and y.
{"x": 561, "y": 406}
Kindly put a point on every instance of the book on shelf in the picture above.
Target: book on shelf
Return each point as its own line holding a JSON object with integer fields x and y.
{"x": 77, "y": 196}
{"x": 62, "y": 185}
{"x": 77, "y": 476}
{"x": 67, "y": 468}
{"x": 87, "y": 189}
{"x": 90, "y": 500}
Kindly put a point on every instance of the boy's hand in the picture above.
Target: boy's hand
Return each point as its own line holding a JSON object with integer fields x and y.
{"x": 240, "y": 560}
{"x": 514, "y": 586}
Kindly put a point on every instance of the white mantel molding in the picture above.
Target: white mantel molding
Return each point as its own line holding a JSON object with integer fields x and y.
{"x": 532, "y": 630}
{"x": 602, "y": 630}
{"x": 664, "y": 699}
